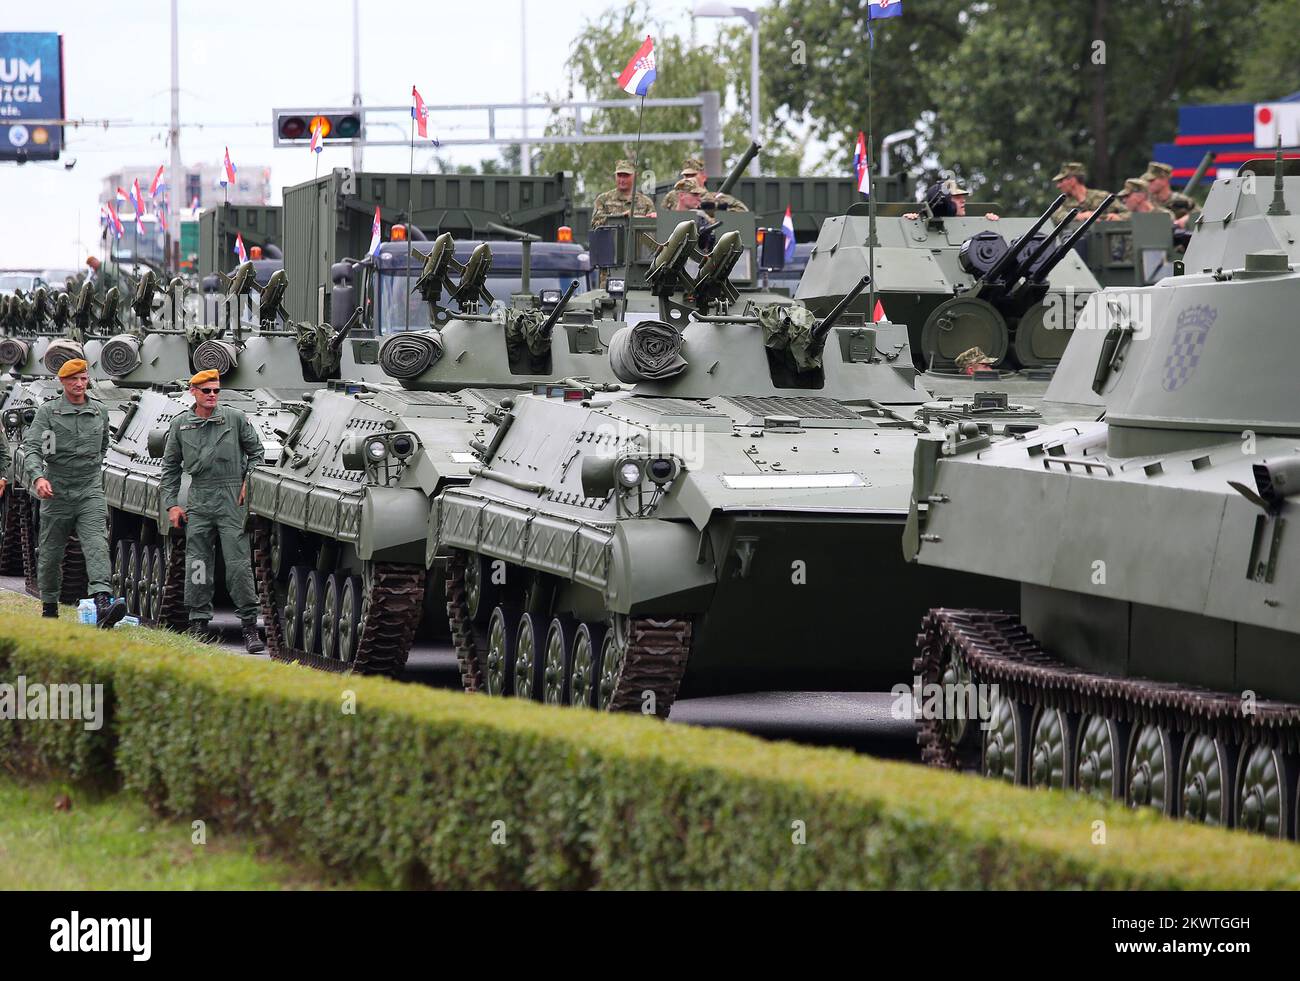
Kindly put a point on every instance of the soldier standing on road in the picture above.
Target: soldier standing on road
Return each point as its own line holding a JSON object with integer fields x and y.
{"x": 617, "y": 202}
{"x": 1072, "y": 182}
{"x": 64, "y": 447}
{"x": 693, "y": 169}
{"x": 218, "y": 447}
{"x": 1183, "y": 208}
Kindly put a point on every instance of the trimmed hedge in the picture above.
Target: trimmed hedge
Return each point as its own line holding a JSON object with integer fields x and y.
{"x": 415, "y": 782}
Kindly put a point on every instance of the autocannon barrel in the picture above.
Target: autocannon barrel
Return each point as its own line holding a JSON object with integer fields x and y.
{"x": 1064, "y": 249}
{"x": 1023, "y": 268}
{"x": 1013, "y": 253}
{"x": 738, "y": 169}
{"x": 821, "y": 330}
{"x": 1201, "y": 168}
{"x": 336, "y": 345}
{"x": 549, "y": 323}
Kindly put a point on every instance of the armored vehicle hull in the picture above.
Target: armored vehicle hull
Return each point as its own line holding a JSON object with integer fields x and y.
{"x": 1154, "y": 655}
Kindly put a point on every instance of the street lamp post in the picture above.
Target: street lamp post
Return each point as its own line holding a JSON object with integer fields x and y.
{"x": 719, "y": 8}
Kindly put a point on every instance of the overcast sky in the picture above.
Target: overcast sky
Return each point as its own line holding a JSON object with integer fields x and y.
{"x": 238, "y": 61}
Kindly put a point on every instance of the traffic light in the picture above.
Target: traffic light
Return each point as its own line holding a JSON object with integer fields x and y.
{"x": 294, "y": 126}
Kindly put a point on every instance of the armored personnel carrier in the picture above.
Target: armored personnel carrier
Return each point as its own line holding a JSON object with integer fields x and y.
{"x": 342, "y": 518}
{"x": 707, "y": 532}
{"x": 268, "y": 368}
{"x": 1006, "y": 287}
{"x": 1153, "y": 656}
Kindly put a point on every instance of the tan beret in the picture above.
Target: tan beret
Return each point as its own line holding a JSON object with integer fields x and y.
{"x": 210, "y": 375}
{"x": 73, "y": 366}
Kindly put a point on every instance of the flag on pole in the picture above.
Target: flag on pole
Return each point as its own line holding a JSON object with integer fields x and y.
{"x": 137, "y": 199}
{"x": 880, "y": 9}
{"x": 639, "y": 74}
{"x": 239, "y": 249}
{"x": 374, "y": 233}
{"x": 158, "y": 184}
{"x": 859, "y": 158}
{"x": 121, "y": 196}
{"x": 230, "y": 170}
{"x": 864, "y": 180}
{"x": 315, "y": 146}
{"x": 787, "y": 229}
{"x": 114, "y": 221}
{"x": 419, "y": 113}
{"x": 162, "y": 220}
{"x": 878, "y": 314}
{"x": 139, "y": 224}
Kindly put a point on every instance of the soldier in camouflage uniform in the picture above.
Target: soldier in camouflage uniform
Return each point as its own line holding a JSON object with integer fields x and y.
{"x": 1136, "y": 197}
{"x": 617, "y": 202}
{"x": 693, "y": 169}
{"x": 687, "y": 195}
{"x": 218, "y": 447}
{"x": 1183, "y": 207}
{"x": 1072, "y": 182}
{"x": 64, "y": 447}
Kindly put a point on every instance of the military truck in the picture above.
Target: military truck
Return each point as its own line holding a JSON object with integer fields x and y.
{"x": 1152, "y": 658}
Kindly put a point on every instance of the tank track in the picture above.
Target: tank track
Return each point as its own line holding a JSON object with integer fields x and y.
{"x": 29, "y": 546}
{"x": 173, "y": 614}
{"x": 392, "y": 616}
{"x": 655, "y": 660}
{"x": 464, "y": 638}
{"x": 998, "y": 649}
{"x": 11, "y": 536}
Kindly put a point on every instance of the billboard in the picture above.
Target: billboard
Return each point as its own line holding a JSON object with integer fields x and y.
{"x": 31, "y": 93}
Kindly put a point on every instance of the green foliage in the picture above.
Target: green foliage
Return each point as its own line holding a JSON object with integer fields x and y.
{"x": 417, "y": 782}
{"x": 1270, "y": 62}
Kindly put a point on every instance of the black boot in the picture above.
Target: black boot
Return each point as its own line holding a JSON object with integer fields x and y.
{"x": 252, "y": 639}
{"x": 50, "y": 610}
{"x": 200, "y": 631}
{"x": 108, "y": 610}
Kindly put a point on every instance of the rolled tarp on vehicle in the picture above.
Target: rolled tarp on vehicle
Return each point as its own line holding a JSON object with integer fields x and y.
{"x": 120, "y": 356}
{"x": 61, "y": 350}
{"x": 218, "y": 355}
{"x": 409, "y": 355}
{"x": 648, "y": 351}
{"x": 13, "y": 351}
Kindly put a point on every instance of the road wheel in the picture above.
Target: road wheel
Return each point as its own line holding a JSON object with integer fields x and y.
{"x": 483, "y": 591}
{"x": 1099, "y": 761}
{"x": 132, "y": 583}
{"x": 613, "y": 655}
{"x": 1051, "y": 749}
{"x": 1152, "y": 768}
{"x": 151, "y": 594}
{"x": 585, "y": 664}
{"x": 311, "y": 612}
{"x": 503, "y": 631}
{"x": 1006, "y": 741}
{"x": 349, "y": 631}
{"x": 558, "y": 663}
{"x": 1205, "y": 783}
{"x": 293, "y": 604}
{"x": 528, "y": 658}
{"x": 329, "y": 618}
{"x": 117, "y": 578}
{"x": 1265, "y": 778}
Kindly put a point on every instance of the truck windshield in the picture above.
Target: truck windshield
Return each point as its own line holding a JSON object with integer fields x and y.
{"x": 399, "y": 309}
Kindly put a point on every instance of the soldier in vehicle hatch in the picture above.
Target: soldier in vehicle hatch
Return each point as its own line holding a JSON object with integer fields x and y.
{"x": 693, "y": 169}
{"x": 1183, "y": 207}
{"x": 218, "y": 447}
{"x": 617, "y": 202}
{"x": 1072, "y": 182}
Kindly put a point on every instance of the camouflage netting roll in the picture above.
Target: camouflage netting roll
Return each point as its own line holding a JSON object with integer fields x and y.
{"x": 649, "y": 351}
{"x": 409, "y": 355}
{"x": 120, "y": 356}
{"x": 12, "y": 351}
{"x": 60, "y": 350}
{"x": 218, "y": 355}
{"x": 788, "y": 327}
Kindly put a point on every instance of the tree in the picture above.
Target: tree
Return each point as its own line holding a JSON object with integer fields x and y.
{"x": 685, "y": 69}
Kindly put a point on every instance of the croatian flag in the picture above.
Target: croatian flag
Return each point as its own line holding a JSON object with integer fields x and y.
{"x": 787, "y": 229}
{"x": 115, "y": 221}
{"x": 315, "y": 139}
{"x": 122, "y": 197}
{"x": 239, "y": 249}
{"x": 419, "y": 113}
{"x": 230, "y": 169}
{"x": 374, "y": 233}
{"x": 860, "y": 169}
{"x": 880, "y": 9}
{"x": 158, "y": 183}
{"x": 162, "y": 220}
{"x": 137, "y": 199}
{"x": 139, "y": 224}
{"x": 639, "y": 74}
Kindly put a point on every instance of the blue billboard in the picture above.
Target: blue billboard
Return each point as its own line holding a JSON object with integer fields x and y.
{"x": 31, "y": 94}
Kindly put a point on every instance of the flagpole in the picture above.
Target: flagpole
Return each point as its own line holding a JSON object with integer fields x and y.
{"x": 871, "y": 190}
{"x": 631, "y": 207}
{"x": 410, "y": 214}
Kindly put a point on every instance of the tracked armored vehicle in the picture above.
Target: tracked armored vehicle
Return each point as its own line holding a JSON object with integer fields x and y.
{"x": 1154, "y": 655}
{"x": 342, "y": 519}
{"x": 1008, "y": 287}
{"x": 706, "y": 533}
{"x": 268, "y": 369}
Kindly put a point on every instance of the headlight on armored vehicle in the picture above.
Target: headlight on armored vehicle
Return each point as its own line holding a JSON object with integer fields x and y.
{"x": 376, "y": 450}
{"x": 402, "y": 445}
{"x": 630, "y": 474}
{"x": 1277, "y": 479}
{"x": 13, "y": 418}
{"x": 662, "y": 470}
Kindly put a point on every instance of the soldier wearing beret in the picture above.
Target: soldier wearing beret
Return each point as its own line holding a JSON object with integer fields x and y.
{"x": 616, "y": 203}
{"x": 64, "y": 453}
{"x": 1072, "y": 182}
{"x": 218, "y": 447}
{"x": 1183, "y": 207}
{"x": 693, "y": 169}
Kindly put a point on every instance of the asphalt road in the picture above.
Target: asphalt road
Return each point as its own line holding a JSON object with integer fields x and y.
{"x": 853, "y": 720}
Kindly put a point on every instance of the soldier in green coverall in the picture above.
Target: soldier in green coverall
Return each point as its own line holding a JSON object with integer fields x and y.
{"x": 217, "y": 447}
{"x": 64, "y": 449}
